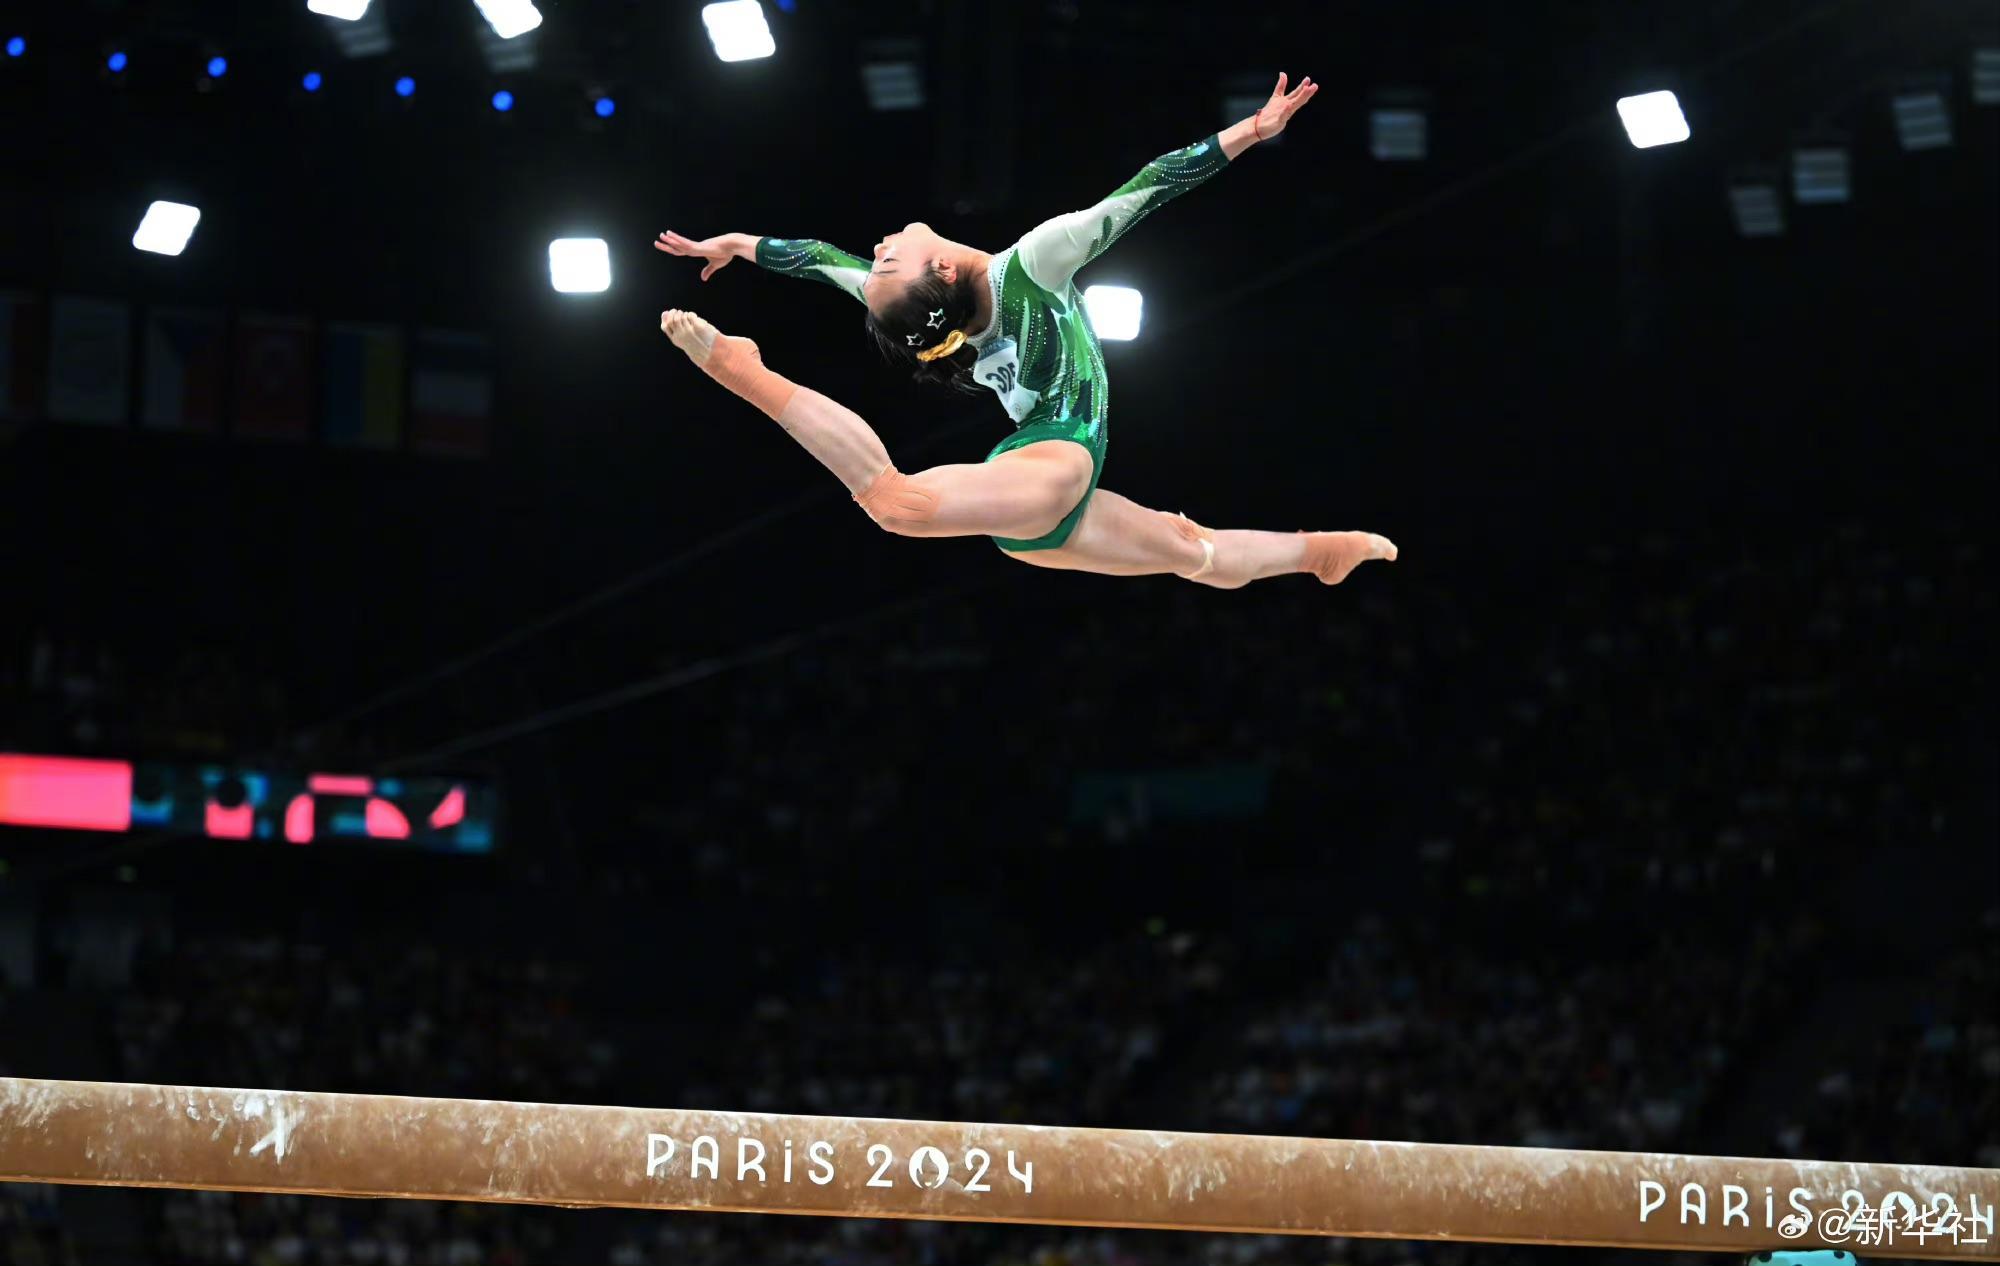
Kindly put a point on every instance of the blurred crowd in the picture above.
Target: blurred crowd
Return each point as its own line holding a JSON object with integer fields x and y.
{"x": 210, "y": 1228}
{"x": 1397, "y": 1027}
{"x": 1688, "y": 713}
{"x": 31, "y": 1228}
{"x": 869, "y": 1037}
{"x": 1928, "y": 1081}
{"x": 1679, "y": 720}
{"x": 89, "y": 695}
{"x": 1407, "y": 1036}
{"x": 1166, "y": 678}
{"x": 377, "y": 1016}
{"x": 1703, "y": 716}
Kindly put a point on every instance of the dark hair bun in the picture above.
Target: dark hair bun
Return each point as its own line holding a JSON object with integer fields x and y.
{"x": 922, "y": 317}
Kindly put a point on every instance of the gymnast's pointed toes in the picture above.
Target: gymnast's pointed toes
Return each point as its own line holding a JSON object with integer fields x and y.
{"x": 1331, "y": 556}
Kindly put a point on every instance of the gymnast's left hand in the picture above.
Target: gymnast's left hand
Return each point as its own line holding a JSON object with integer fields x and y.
{"x": 1279, "y": 110}
{"x": 714, "y": 252}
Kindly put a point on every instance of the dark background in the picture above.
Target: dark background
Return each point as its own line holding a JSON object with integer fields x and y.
{"x": 1665, "y": 746}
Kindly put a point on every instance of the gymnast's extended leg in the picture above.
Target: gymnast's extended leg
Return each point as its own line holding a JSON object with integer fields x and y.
{"x": 1022, "y": 494}
{"x": 1119, "y": 537}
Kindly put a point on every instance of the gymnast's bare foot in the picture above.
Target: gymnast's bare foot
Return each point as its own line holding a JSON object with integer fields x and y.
{"x": 689, "y": 333}
{"x": 1332, "y": 555}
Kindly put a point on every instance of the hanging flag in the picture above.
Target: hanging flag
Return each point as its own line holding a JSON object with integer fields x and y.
{"x": 451, "y": 393}
{"x": 184, "y": 360}
{"x": 273, "y": 376}
{"x": 90, "y": 360}
{"x": 364, "y": 385}
{"x": 23, "y": 355}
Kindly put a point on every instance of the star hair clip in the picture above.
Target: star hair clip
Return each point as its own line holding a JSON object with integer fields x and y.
{"x": 913, "y": 339}
{"x": 936, "y": 320}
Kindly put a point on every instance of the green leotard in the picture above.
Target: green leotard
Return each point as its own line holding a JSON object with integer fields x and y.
{"x": 1039, "y": 354}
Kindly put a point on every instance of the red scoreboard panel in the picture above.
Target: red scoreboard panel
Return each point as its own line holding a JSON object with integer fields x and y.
{"x": 228, "y": 802}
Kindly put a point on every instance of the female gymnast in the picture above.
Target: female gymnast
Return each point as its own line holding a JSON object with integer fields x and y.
{"x": 1013, "y": 322}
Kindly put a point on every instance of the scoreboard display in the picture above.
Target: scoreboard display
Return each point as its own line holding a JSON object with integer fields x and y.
{"x": 434, "y": 812}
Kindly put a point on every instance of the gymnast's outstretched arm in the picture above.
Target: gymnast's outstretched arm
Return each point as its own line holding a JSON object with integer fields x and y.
{"x": 1053, "y": 251}
{"x": 791, "y": 256}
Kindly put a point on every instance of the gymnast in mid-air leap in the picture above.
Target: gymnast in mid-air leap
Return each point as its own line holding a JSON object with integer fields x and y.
{"x": 1013, "y": 322}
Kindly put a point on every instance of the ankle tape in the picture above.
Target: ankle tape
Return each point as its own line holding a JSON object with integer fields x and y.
{"x": 737, "y": 365}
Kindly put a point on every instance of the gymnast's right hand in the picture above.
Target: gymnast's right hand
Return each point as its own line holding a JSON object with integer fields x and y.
{"x": 689, "y": 332}
{"x": 718, "y": 251}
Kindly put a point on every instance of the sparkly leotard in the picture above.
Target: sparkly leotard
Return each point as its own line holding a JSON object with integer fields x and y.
{"x": 1039, "y": 354}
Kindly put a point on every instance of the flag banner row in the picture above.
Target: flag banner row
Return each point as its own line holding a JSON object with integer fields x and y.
{"x": 257, "y": 376}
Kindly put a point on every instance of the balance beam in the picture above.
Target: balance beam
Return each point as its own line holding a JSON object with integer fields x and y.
{"x": 205, "y": 1138}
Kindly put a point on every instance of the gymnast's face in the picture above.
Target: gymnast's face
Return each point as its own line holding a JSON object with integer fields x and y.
{"x": 901, "y": 258}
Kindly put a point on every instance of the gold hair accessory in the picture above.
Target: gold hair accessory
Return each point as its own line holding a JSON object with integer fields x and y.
{"x": 952, "y": 342}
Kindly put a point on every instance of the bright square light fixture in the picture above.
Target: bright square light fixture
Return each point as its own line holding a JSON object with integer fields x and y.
{"x": 346, "y": 10}
{"x": 509, "y": 18}
{"x": 166, "y": 228}
{"x": 738, "y": 30}
{"x": 1114, "y": 311}
{"x": 1653, "y": 118}
{"x": 579, "y": 265}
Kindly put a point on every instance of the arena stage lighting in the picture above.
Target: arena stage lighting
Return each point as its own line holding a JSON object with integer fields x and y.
{"x": 892, "y": 75}
{"x": 738, "y": 30}
{"x": 1653, "y": 118}
{"x": 579, "y": 265}
{"x": 1923, "y": 120}
{"x": 1820, "y": 175}
{"x": 892, "y": 86}
{"x": 510, "y": 18}
{"x": 1755, "y": 206}
{"x": 1986, "y": 76}
{"x": 1399, "y": 135}
{"x": 166, "y": 228}
{"x": 360, "y": 29}
{"x": 1114, "y": 312}
{"x": 16, "y": 46}
{"x": 406, "y": 87}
